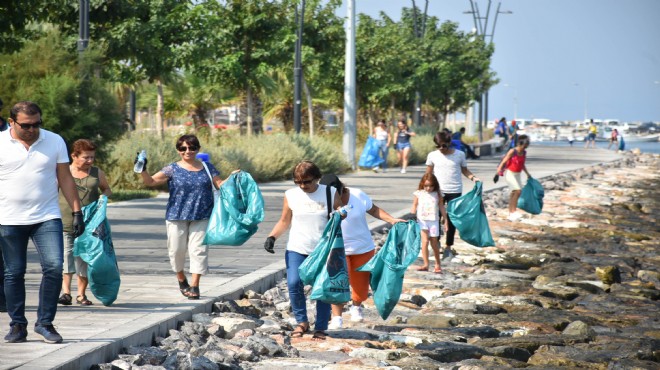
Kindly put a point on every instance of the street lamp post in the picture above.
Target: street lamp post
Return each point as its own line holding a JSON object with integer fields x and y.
{"x": 481, "y": 27}
{"x": 297, "y": 71}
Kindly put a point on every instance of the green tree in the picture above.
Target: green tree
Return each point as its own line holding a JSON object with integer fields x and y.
{"x": 52, "y": 81}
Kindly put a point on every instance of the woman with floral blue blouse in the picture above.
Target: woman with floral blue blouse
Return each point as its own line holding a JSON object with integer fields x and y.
{"x": 188, "y": 210}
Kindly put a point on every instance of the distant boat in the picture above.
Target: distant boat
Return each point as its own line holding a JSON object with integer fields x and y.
{"x": 641, "y": 138}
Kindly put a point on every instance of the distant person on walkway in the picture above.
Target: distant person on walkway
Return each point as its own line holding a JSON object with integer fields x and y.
{"x": 614, "y": 139}
{"x": 305, "y": 211}
{"x": 447, "y": 164}
{"x": 382, "y": 134}
{"x": 514, "y": 163}
{"x": 188, "y": 211}
{"x": 91, "y": 183}
{"x": 501, "y": 129}
{"x": 402, "y": 144}
{"x": 33, "y": 163}
{"x": 513, "y": 134}
{"x": 358, "y": 244}
{"x": 428, "y": 205}
{"x": 465, "y": 147}
{"x": 591, "y": 136}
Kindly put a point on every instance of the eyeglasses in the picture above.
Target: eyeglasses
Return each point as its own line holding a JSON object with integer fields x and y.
{"x": 191, "y": 148}
{"x": 303, "y": 182}
{"x": 27, "y": 126}
{"x": 442, "y": 146}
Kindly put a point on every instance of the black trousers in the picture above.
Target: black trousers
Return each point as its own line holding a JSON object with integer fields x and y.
{"x": 449, "y": 241}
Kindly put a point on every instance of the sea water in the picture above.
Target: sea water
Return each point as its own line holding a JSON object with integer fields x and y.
{"x": 643, "y": 146}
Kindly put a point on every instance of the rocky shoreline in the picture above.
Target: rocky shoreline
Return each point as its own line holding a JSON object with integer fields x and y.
{"x": 574, "y": 287}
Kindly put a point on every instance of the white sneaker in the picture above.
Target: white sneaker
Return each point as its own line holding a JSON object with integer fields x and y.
{"x": 336, "y": 323}
{"x": 403, "y": 170}
{"x": 356, "y": 314}
{"x": 376, "y": 169}
{"x": 515, "y": 216}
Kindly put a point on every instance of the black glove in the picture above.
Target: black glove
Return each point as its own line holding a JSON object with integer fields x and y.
{"x": 269, "y": 245}
{"x": 78, "y": 223}
{"x": 137, "y": 155}
{"x": 496, "y": 178}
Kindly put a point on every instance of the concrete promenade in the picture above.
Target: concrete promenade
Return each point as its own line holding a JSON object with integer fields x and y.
{"x": 149, "y": 302}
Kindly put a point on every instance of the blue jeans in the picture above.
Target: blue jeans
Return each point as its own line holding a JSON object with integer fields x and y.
{"x": 297, "y": 293}
{"x": 3, "y": 303}
{"x": 47, "y": 237}
{"x": 382, "y": 151}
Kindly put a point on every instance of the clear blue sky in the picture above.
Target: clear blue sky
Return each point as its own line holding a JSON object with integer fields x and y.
{"x": 556, "y": 55}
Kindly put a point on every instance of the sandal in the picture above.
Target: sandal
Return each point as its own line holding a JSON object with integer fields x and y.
{"x": 421, "y": 268}
{"x": 65, "y": 299}
{"x": 319, "y": 335}
{"x": 299, "y": 330}
{"x": 83, "y": 301}
{"x": 183, "y": 287}
{"x": 192, "y": 292}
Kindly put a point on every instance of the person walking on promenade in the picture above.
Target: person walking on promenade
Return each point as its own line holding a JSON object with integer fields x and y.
{"x": 591, "y": 136}
{"x": 91, "y": 184}
{"x": 188, "y": 210}
{"x": 358, "y": 245}
{"x": 305, "y": 211}
{"x": 402, "y": 144}
{"x": 614, "y": 139}
{"x": 33, "y": 163}
{"x": 502, "y": 130}
{"x": 514, "y": 163}
{"x": 464, "y": 147}
{"x": 428, "y": 206}
{"x": 447, "y": 164}
{"x": 382, "y": 134}
{"x": 513, "y": 134}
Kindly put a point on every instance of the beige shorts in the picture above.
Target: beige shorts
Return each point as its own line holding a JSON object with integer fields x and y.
{"x": 188, "y": 236}
{"x": 72, "y": 264}
{"x": 513, "y": 180}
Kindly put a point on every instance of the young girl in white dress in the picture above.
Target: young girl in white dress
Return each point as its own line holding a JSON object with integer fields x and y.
{"x": 428, "y": 205}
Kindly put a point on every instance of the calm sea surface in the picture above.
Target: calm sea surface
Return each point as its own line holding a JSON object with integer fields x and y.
{"x": 644, "y": 147}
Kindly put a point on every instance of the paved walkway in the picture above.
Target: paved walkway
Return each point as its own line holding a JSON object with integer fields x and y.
{"x": 149, "y": 303}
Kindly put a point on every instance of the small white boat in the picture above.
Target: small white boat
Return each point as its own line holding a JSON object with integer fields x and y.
{"x": 641, "y": 138}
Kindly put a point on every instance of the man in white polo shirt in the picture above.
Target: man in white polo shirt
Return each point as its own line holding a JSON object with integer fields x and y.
{"x": 33, "y": 163}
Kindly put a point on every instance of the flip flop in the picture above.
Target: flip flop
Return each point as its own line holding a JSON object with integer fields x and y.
{"x": 299, "y": 330}
{"x": 422, "y": 268}
{"x": 319, "y": 335}
{"x": 437, "y": 270}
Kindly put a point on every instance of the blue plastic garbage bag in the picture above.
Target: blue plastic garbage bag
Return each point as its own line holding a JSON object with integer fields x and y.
{"x": 95, "y": 247}
{"x": 622, "y": 143}
{"x": 237, "y": 212}
{"x": 388, "y": 266}
{"x": 370, "y": 156}
{"x": 325, "y": 268}
{"x": 467, "y": 213}
{"x": 531, "y": 197}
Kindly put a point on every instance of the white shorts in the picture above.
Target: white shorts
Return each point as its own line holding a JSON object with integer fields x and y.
{"x": 433, "y": 227}
{"x": 513, "y": 179}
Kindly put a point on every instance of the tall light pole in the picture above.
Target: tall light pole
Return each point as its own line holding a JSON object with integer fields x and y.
{"x": 83, "y": 25}
{"x": 350, "y": 104}
{"x": 297, "y": 70}
{"x": 420, "y": 30}
{"x": 515, "y": 99}
{"x": 481, "y": 26}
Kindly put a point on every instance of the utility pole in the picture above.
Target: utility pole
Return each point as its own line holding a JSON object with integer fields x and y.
{"x": 83, "y": 41}
{"x": 419, "y": 30}
{"x": 297, "y": 70}
{"x": 350, "y": 109}
{"x": 481, "y": 27}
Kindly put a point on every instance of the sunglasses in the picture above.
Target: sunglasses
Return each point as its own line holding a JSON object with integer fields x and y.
{"x": 303, "y": 182}
{"x": 27, "y": 126}
{"x": 442, "y": 146}
{"x": 182, "y": 149}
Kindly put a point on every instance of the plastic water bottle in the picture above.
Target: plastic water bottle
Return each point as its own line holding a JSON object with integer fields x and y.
{"x": 343, "y": 211}
{"x": 139, "y": 165}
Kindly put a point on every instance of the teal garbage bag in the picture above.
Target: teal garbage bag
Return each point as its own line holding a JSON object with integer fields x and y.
{"x": 95, "y": 247}
{"x": 237, "y": 212}
{"x": 325, "y": 268}
{"x": 531, "y": 197}
{"x": 388, "y": 266}
{"x": 467, "y": 213}
{"x": 370, "y": 156}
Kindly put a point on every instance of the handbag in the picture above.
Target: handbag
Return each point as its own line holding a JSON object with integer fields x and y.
{"x": 216, "y": 192}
